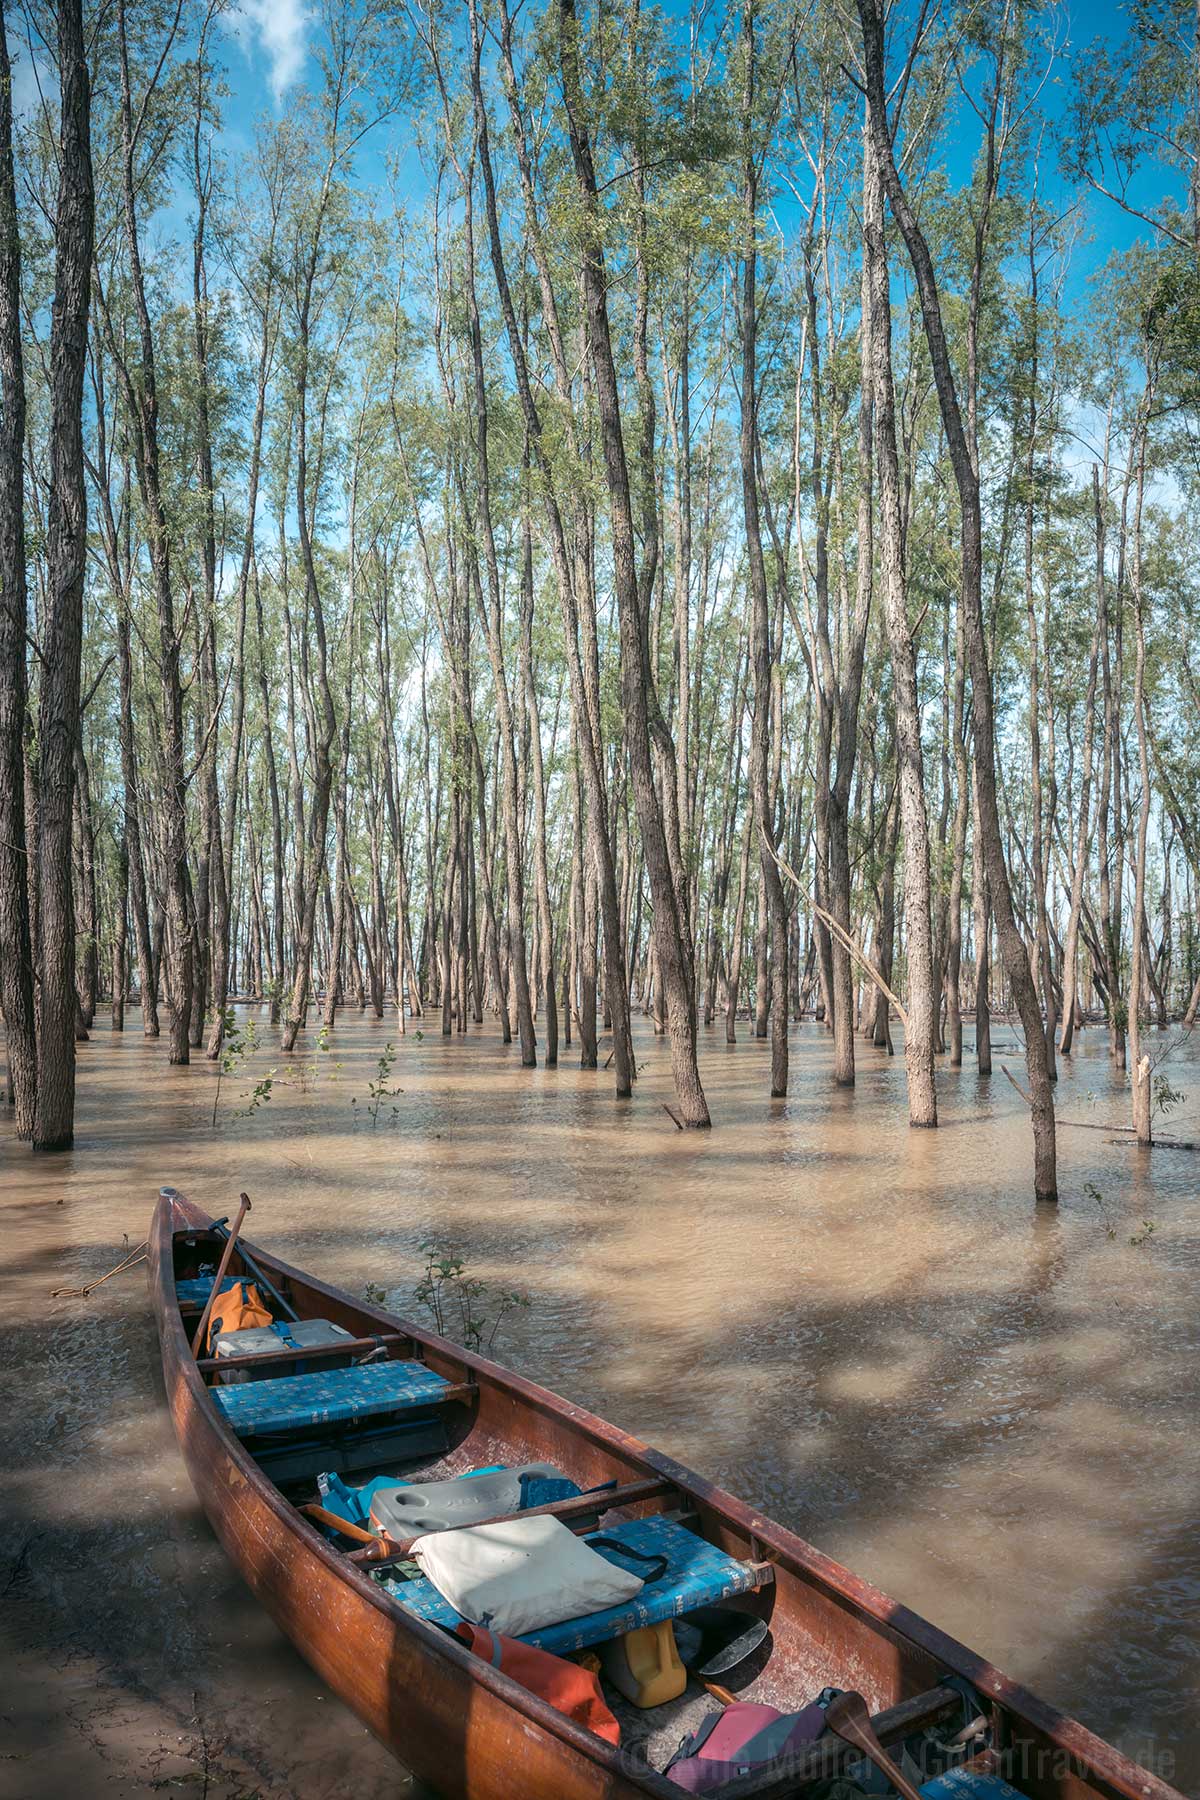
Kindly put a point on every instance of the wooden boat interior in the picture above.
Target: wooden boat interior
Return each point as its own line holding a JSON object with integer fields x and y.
{"x": 825, "y": 1629}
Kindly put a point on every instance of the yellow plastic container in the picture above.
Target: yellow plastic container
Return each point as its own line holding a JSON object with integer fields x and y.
{"x": 644, "y": 1665}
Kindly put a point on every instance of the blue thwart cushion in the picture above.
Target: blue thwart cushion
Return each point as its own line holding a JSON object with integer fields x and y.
{"x": 195, "y": 1291}
{"x": 256, "y": 1408}
{"x": 697, "y": 1574}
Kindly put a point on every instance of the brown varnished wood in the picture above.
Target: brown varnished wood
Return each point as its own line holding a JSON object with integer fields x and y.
{"x": 262, "y": 1359}
{"x": 580, "y": 1506}
{"x": 467, "y": 1729}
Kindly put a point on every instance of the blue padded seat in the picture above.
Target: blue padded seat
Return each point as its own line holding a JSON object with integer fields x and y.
{"x": 697, "y": 1574}
{"x": 195, "y": 1291}
{"x": 295, "y": 1402}
{"x": 968, "y": 1784}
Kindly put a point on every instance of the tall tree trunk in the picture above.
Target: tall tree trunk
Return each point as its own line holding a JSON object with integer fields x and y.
{"x": 981, "y": 911}
{"x": 139, "y": 905}
{"x": 847, "y": 686}
{"x": 87, "y": 931}
{"x": 734, "y": 959}
{"x": 277, "y": 928}
{"x": 120, "y": 942}
{"x": 1083, "y": 829}
{"x": 1012, "y": 945}
{"x": 237, "y": 684}
{"x": 918, "y": 909}
{"x": 16, "y": 949}
{"x": 760, "y": 619}
{"x": 569, "y": 569}
{"x": 1040, "y": 873}
{"x": 491, "y": 607}
{"x": 962, "y": 804}
{"x": 538, "y": 780}
{"x": 322, "y": 718}
{"x": 142, "y": 394}
{"x": 673, "y": 953}
{"x": 1139, "y": 1061}
{"x": 62, "y": 630}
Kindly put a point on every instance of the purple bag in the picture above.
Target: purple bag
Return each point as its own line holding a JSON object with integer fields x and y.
{"x": 739, "y": 1739}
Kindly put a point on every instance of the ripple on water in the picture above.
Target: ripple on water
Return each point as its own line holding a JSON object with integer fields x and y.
{"x": 987, "y": 1408}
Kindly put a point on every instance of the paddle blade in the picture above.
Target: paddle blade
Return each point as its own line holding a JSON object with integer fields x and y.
{"x": 736, "y": 1651}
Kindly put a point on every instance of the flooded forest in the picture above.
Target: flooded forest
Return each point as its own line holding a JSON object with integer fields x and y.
{"x": 600, "y": 664}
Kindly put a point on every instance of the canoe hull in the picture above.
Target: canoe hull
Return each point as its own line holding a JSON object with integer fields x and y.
{"x": 467, "y": 1730}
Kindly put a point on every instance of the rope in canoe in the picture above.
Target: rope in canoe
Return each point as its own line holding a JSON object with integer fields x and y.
{"x": 130, "y": 1261}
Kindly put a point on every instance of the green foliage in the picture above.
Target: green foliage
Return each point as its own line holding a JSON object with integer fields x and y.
{"x": 1171, "y": 324}
{"x": 378, "y": 1089}
{"x": 1108, "y": 1218}
{"x": 1166, "y": 1097}
{"x": 455, "y": 1300}
{"x": 1097, "y": 1198}
{"x": 237, "y": 1043}
{"x": 259, "y": 1096}
{"x": 305, "y": 1071}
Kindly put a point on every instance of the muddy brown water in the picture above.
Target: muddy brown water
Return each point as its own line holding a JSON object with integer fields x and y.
{"x": 870, "y": 1333}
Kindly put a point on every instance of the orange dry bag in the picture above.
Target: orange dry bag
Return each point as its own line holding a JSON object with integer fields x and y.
{"x": 239, "y": 1308}
{"x": 567, "y": 1687}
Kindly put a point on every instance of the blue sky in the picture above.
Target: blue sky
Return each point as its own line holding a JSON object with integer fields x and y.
{"x": 271, "y": 45}
{"x": 269, "y": 50}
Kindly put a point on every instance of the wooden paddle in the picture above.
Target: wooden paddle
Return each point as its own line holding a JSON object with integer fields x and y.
{"x": 322, "y": 1516}
{"x": 285, "y": 1306}
{"x": 847, "y": 1716}
{"x": 230, "y": 1241}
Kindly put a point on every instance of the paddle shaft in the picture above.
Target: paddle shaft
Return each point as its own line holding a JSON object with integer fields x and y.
{"x": 323, "y": 1516}
{"x": 578, "y": 1507}
{"x": 848, "y": 1718}
{"x": 267, "y": 1286}
{"x": 230, "y": 1241}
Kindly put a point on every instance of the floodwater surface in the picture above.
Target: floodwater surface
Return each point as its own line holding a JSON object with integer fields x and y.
{"x": 873, "y": 1334}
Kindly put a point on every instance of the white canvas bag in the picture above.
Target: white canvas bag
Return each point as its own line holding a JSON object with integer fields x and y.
{"x": 522, "y": 1574}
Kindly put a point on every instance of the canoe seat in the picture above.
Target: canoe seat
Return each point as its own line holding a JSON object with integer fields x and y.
{"x": 297, "y": 1402}
{"x": 697, "y": 1574}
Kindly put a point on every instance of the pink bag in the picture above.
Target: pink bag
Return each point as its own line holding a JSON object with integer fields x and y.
{"x": 742, "y": 1738}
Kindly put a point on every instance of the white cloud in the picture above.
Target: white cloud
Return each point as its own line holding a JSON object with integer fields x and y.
{"x": 280, "y": 27}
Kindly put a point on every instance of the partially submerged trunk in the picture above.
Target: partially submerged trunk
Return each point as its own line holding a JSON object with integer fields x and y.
{"x": 16, "y": 946}
{"x": 918, "y": 907}
{"x": 1083, "y": 827}
{"x": 142, "y": 396}
{"x": 1140, "y": 1065}
{"x": 1012, "y": 945}
{"x": 62, "y": 627}
{"x": 775, "y": 925}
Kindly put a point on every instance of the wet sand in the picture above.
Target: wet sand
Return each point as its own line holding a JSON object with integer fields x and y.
{"x": 869, "y": 1332}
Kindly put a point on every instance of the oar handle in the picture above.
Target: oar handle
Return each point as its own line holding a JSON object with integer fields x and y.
{"x": 848, "y": 1717}
{"x": 268, "y": 1287}
{"x": 219, "y": 1277}
{"x": 382, "y": 1546}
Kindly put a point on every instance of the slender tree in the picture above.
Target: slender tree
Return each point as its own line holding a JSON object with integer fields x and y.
{"x": 62, "y": 627}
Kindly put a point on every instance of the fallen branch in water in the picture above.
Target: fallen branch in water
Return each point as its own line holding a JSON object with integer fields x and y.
{"x": 849, "y": 944}
{"x": 1154, "y": 1144}
{"x": 1127, "y": 1131}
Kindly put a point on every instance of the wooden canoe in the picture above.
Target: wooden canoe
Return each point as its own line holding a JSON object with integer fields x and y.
{"x": 466, "y": 1729}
